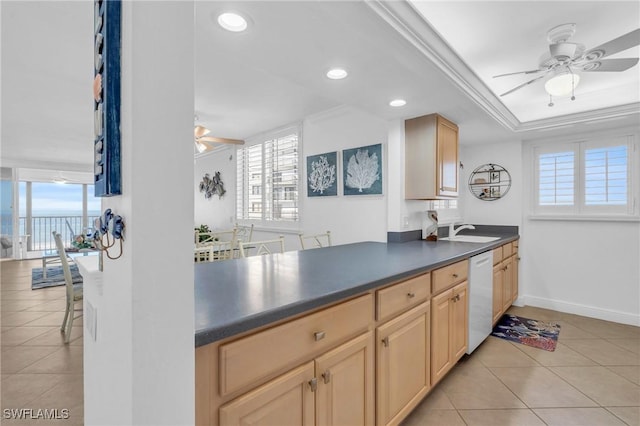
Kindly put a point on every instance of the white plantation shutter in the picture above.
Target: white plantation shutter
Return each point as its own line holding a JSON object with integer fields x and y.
{"x": 588, "y": 178}
{"x": 268, "y": 179}
{"x": 556, "y": 180}
{"x": 606, "y": 176}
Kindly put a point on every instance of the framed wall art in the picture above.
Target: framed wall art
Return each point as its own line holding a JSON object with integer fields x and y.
{"x": 106, "y": 97}
{"x": 362, "y": 170}
{"x": 322, "y": 175}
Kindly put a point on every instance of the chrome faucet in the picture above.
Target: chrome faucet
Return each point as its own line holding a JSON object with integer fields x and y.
{"x": 454, "y": 231}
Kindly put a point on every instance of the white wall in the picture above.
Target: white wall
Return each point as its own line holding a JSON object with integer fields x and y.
{"x": 218, "y": 213}
{"x": 584, "y": 267}
{"x": 140, "y": 369}
{"x": 349, "y": 218}
{"x": 504, "y": 211}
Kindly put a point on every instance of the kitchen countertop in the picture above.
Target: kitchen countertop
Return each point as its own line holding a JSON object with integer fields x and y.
{"x": 239, "y": 295}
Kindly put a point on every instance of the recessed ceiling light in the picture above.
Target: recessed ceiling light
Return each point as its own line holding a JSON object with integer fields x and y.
{"x": 232, "y": 22}
{"x": 398, "y": 103}
{"x": 336, "y": 74}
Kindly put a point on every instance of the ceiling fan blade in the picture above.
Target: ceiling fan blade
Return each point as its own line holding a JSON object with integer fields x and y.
{"x": 522, "y": 85}
{"x": 609, "y": 65}
{"x": 616, "y": 45}
{"x": 200, "y": 131}
{"x": 519, "y": 72}
{"x": 211, "y": 139}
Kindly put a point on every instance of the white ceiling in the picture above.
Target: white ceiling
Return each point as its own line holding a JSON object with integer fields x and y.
{"x": 273, "y": 74}
{"x": 501, "y": 37}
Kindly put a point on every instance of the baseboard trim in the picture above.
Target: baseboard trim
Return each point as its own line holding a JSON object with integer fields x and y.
{"x": 583, "y": 310}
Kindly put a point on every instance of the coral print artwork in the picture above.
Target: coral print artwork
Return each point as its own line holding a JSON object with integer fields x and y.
{"x": 362, "y": 170}
{"x": 322, "y": 175}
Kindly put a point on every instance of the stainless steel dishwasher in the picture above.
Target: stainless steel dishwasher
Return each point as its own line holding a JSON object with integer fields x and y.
{"x": 480, "y": 298}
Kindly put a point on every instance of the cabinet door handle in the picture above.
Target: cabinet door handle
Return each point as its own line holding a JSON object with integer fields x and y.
{"x": 411, "y": 295}
{"x": 385, "y": 342}
{"x": 313, "y": 383}
{"x": 318, "y": 335}
{"x": 455, "y": 298}
{"x": 455, "y": 275}
{"x": 327, "y": 376}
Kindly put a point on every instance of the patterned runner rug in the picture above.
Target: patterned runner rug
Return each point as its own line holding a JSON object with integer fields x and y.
{"x": 530, "y": 332}
{"x": 55, "y": 277}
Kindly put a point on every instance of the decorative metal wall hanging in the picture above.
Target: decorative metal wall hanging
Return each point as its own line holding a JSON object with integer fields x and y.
{"x": 106, "y": 97}
{"x": 322, "y": 175}
{"x": 489, "y": 182}
{"x": 212, "y": 186}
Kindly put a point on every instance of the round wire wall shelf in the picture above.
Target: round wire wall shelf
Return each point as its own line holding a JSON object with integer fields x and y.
{"x": 489, "y": 182}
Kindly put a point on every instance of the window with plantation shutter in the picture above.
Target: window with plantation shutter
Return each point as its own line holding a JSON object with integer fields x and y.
{"x": 590, "y": 178}
{"x": 267, "y": 173}
{"x": 556, "y": 179}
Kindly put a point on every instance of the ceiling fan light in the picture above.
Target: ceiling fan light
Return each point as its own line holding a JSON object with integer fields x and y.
{"x": 562, "y": 84}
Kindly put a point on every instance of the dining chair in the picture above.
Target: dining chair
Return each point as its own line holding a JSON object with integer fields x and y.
{"x": 245, "y": 232}
{"x": 74, "y": 291}
{"x": 315, "y": 241}
{"x": 203, "y": 239}
{"x": 262, "y": 247}
{"x": 213, "y": 252}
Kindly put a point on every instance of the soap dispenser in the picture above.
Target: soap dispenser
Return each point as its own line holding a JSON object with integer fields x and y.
{"x": 430, "y": 226}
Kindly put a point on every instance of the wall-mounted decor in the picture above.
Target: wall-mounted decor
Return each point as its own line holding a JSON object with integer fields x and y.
{"x": 212, "y": 185}
{"x": 362, "y": 170}
{"x": 322, "y": 175}
{"x": 106, "y": 98}
{"x": 489, "y": 182}
{"x": 108, "y": 228}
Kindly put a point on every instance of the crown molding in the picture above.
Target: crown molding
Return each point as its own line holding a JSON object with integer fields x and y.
{"x": 601, "y": 115}
{"x": 409, "y": 23}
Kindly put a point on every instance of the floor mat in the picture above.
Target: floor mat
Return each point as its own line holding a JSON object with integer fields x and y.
{"x": 530, "y": 332}
{"x": 55, "y": 277}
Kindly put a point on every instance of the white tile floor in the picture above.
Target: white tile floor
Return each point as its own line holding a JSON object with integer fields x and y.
{"x": 593, "y": 377}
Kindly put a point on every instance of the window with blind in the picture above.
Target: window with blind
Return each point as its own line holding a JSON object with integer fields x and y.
{"x": 585, "y": 178}
{"x": 267, "y": 172}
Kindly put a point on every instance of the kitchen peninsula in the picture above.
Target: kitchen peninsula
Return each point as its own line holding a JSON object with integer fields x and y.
{"x": 350, "y": 334}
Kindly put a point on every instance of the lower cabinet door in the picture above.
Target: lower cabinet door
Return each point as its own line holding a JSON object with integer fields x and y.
{"x": 507, "y": 295}
{"x": 286, "y": 400}
{"x": 346, "y": 384}
{"x": 459, "y": 320}
{"x": 403, "y": 358}
{"x": 441, "y": 359}
{"x": 498, "y": 279}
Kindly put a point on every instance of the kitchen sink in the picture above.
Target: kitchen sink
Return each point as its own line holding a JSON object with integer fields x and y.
{"x": 471, "y": 239}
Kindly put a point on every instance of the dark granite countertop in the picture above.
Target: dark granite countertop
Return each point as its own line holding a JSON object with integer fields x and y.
{"x": 239, "y": 295}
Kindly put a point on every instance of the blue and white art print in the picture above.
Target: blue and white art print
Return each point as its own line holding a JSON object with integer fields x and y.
{"x": 322, "y": 175}
{"x": 362, "y": 170}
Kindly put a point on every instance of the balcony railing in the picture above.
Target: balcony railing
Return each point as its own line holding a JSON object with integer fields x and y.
{"x": 41, "y": 229}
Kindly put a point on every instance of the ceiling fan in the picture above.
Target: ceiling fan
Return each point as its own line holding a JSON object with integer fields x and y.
{"x": 565, "y": 59}
{"x": 206, "y": 143}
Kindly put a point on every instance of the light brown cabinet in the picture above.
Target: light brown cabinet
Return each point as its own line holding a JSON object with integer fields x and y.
{"x": 431, "y": 158}
{"x": 403, "y": 364}
{"x": 505, "y": 279}
{"x": 287, "y": 400}
{"x": 449, "y": 325}
{"x": 334, "y": 389}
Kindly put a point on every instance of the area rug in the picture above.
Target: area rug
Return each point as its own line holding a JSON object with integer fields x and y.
{"x": 55, "y": 277}
{"x": 530, "y": 332}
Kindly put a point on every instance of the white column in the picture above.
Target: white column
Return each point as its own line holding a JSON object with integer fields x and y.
{"x": 140, "y": 367}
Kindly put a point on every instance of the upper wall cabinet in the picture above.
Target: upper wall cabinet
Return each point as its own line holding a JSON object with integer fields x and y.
{"x": 431, "y": 158}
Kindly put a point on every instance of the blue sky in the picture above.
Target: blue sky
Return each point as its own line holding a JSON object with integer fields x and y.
{"x": 54, "y": 198}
